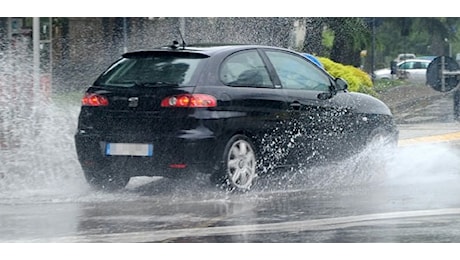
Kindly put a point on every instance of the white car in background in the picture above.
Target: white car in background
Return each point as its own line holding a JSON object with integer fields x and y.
{"x": 404, "y": 56}
{"x": 413, "y": 70}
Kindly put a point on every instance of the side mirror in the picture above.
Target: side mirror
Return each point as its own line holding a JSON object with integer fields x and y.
{"x": 341, "y": 84}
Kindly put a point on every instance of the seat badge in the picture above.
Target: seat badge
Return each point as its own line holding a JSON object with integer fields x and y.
{"x": 133, "y": 101}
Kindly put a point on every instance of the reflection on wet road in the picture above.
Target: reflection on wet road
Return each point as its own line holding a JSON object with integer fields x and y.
{"x": 415, "y": 200}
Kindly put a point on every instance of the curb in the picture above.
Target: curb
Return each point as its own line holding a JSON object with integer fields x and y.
{"x": 412, "y": 99}
{"x": 413, "y": 102}
{"x": 430, "y": 139}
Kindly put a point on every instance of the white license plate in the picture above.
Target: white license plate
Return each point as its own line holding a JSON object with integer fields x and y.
{"x": 129, "y": 149}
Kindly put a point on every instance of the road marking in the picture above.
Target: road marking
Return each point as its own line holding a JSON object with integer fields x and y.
{"x": 290, "y": 226}
{"x": 430, "y": 139}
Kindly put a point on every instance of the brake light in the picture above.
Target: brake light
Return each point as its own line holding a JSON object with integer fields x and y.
{"x": 94, "y": 100}
{"x": 189, "y": 100}
{"x": 178, "y": 166}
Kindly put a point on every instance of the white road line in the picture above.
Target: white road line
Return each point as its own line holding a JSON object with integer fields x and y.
{"x": 292, "y": 226}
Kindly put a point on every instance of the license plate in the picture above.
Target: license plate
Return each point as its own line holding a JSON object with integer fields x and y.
{"x": 129, "y": 149}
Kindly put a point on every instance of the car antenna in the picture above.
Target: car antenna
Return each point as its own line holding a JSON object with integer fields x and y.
{"x": 175, "y": 44}
{"x": 182, "y": 38}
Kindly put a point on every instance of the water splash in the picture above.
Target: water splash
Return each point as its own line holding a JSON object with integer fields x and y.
{"x": 36, "y": 134}
{"x": 37, "y": 152}
{"x": 424, "y": 163}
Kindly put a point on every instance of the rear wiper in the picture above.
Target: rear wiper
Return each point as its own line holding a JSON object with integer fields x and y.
{"x": 155, "y": 84}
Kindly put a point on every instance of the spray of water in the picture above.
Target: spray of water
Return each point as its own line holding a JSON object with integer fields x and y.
{"x": 36, "y": 133}
{"x": 376, "y": 165}
{"x": 424, "y": 163}
{"x": 37, "y": 153}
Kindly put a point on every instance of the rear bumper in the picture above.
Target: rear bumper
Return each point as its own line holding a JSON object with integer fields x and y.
{"x": 172, "y": 156}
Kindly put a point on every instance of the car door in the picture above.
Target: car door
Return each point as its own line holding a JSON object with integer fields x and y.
{"x": 422, "y": 68}
{"x": 414, "y": 70}
{"x": 316, "y": 124}
{"x": 257, "y": 105}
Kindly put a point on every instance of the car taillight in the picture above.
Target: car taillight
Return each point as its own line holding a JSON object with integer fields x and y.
{"x": 94, "y": 100}
{"x": 189, "y": 100}
{"x": 178, "y": 166}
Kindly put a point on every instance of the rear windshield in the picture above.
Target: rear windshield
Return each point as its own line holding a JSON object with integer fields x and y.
{"x": 152, "y": 69}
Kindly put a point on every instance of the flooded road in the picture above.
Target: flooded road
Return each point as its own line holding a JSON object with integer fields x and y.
{"x": 415, "y": 201}
{"x": 44, "y": 198}
{"x": 408, "y": 206}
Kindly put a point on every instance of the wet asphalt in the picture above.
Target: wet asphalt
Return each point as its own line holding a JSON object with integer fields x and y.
{"x": 416, "y": 201}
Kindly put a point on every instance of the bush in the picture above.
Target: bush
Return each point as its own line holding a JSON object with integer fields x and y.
{"x": 358, "y": 80}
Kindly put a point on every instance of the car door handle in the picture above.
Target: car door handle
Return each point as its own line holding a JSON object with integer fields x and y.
{"x": 295, "y": 105}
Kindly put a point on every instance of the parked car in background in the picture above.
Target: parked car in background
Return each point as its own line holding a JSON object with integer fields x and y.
{"x": 383, "y": 74}
{"x": 404, "y": 56}
{"x": 430, "y": 58}
{"x": 413, "y": 70}
{"x": 232, "y": 111}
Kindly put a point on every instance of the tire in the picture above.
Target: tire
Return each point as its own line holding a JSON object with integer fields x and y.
{"x": 238, "y": 171}
{"x": 105, "y": 179}
{"x": 383, "y": 138}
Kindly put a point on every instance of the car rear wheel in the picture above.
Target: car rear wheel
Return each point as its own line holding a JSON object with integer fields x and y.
{"x": 238, "y": 171}
{"x": 105, "y": 179}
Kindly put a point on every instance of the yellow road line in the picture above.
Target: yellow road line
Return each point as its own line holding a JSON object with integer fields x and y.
{"x": 430, "y": 139}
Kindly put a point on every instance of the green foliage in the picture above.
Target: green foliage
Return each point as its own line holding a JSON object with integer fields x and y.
{"x": 344, "y": 37}
{"x": 327, "y": 40}
{"x": 358, "y": 80}
{"x": 426, "y": 36}
{"x": 351, "y": 35}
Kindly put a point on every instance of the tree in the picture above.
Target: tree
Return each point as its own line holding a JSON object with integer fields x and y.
{"x": 419, "y": 35}
{"x": 440, "y": 31}
{"x": 351, "y": 35}
{"x": 314, "y": 36}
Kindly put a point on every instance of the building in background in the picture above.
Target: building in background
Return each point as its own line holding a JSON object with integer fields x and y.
{"x": 81, "y": 47}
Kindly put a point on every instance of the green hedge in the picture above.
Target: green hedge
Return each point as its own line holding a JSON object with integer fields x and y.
{"x": 358, "y": 80}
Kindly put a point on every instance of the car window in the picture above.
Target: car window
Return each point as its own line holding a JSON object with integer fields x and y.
{"x": 414, "y": 65}
{"x": 297, "y": 73}
{"x": 407, "y": 65}
{"x": 245, "y": 68}
{"x": 151, "y": 70}
{"x": 418, "y": 65}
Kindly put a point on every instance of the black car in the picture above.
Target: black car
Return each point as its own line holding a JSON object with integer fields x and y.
{"x": 233, "y": 111}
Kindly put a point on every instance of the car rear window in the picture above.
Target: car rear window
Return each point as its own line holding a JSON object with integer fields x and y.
{"x": 152, "y": 69}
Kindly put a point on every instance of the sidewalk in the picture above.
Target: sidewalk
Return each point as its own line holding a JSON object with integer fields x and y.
{"x": 403, "y": 96}
{"x": 414, "y": 104}
{"x": 407, "y": 131}
{"x": 422, "y": 114}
